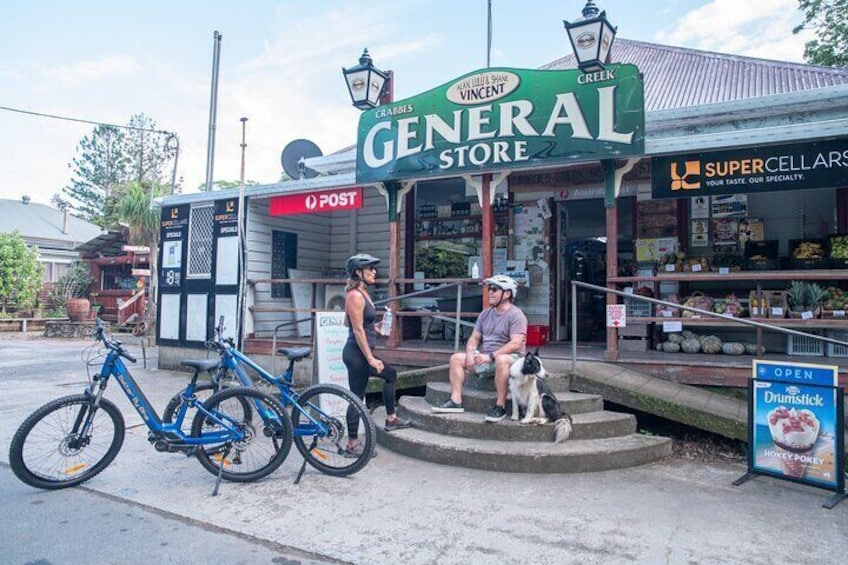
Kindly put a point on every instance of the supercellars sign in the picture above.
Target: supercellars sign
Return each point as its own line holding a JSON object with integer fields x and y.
{"x": 504, "y": 118}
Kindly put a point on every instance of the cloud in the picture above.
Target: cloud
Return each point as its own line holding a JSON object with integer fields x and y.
{"x": 754, "y": 28}
{"x": 103, "y": 68}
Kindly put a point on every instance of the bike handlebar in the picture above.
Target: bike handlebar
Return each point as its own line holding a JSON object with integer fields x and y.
{"x": 100, "y": 335}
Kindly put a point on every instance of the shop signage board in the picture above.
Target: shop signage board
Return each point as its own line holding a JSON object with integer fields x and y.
{"x": 504, "y": 118}
{"x": 799, "y": 166}
{"x": 616, "y": 316}
{"x": 795, "y": 425}
{"x": 315, "y": 202}
{"x": 330, "y": 337}
{"x": 173, "y": 231}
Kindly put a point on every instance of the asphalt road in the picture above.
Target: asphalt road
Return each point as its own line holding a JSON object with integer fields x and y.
{"x": 80, "y": 525}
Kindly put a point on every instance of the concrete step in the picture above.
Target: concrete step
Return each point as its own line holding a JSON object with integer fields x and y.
{"x": 474, "y": 400}
{"x": 586, "y": 425}
{"x": 572, "y": 456}
{"x": 558, "y": 383}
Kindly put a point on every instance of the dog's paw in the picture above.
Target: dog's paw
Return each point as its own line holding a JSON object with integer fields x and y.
{"x": 514, "y": 418}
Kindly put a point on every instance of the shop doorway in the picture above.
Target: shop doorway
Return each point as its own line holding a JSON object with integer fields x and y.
{"x": 581, "y": 242}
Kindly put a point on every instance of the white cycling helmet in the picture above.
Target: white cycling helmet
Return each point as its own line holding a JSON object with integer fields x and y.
{"x": 504, "y": 282}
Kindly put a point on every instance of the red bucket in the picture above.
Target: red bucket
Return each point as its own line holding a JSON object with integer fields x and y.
{"x": 537, "y": 336}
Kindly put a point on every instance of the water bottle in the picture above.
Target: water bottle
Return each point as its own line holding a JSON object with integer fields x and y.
{"x": 475, "y": 271}
{"x": 386, "y": 329}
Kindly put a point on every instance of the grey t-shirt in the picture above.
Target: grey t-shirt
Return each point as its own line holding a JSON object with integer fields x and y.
{"x": 497, "y": 329}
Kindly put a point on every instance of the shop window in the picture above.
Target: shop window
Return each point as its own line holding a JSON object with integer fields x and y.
{"x": 283, "y": 257}
{"x": 200, "y": 242}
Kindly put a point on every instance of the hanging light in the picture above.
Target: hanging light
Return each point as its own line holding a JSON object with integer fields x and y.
{"x": 365, "y": 82}
{"x": 591, "y": 38}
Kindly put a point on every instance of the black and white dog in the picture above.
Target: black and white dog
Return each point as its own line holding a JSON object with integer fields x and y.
{"x": 532, "y": 393}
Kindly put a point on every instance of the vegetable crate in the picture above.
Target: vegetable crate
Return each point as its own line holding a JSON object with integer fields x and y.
{"x": 805, "y": 262}
{"x": 836, "y": 350}
{"x": 803, "y": 345}
{"x": 761, "y": 255}
{"x": 638, "y": 308}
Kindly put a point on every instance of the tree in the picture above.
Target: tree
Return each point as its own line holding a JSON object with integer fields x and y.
{"x": 20, "y": 271}
{"x": 110, "y": 158}
{"x": 147, "y": 150}
{"x": 134, "y": 209}
{"x": 829, "y": 19}
{"x": 100, "y": 166}
{"x": 226, "y": 184}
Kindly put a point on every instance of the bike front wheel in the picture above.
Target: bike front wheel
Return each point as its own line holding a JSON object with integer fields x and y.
{"x": 266, "y": 432}
{"x": 51, "y": 451}
{"x": 332, "y": 407}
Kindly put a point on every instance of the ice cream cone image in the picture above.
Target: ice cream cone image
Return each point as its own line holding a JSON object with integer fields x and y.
{"x": 794, "y": 433}
{"x": 791, "y": 462}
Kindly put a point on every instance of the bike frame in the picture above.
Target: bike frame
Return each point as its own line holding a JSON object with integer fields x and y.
{"x": 114, "y": 366}
{"x": 232, "y": 358}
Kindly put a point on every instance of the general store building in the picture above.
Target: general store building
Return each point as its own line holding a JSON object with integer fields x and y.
{"x": 550, "y": 222}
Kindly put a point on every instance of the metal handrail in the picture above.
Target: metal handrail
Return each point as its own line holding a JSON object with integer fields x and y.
{"x": 673, "y": 305}
{"x": 459, "y": 322}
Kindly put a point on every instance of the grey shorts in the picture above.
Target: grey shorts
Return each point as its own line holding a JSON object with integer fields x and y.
{"x": 484, "y": 368}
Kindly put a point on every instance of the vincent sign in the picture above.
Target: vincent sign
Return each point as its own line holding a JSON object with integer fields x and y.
{"x": 504, "y": 118}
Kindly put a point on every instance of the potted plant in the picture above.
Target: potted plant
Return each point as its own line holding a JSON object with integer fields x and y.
{"x": 71, "y": 292}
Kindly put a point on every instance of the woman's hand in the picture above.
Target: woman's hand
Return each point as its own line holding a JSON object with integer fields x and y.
{"x": 377, "y": 364}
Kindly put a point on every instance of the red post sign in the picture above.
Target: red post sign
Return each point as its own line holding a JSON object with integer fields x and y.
{"x": 313, "y": 202}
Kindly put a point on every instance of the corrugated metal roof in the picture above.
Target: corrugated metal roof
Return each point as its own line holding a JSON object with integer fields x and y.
{"x": 677, "y": 77}
{"x": 39, "y": 222}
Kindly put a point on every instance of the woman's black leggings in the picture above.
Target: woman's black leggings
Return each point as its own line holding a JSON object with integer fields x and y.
{"x": 358, "y": 372}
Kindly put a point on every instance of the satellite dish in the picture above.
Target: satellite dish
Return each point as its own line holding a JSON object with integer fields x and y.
{"x": 293, "y": 155}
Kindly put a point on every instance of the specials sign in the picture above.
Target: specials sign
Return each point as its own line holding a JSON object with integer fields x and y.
{"x": 313, "y": 202}
{"x": 504, "y": 118}
{"x": 755, "y": 169}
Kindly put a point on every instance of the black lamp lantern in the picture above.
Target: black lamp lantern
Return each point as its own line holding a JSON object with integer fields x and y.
{"x": 365, "y": 82}
{"x": 591, "y": 38}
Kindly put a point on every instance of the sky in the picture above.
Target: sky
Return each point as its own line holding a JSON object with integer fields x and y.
{"x": 280, "y": 66}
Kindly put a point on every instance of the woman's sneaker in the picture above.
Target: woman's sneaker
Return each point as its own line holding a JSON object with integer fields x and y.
{"x": 496, "y": 414}
{"x": 397, "y": 424}
{"x": 356, "y": 452}
{"x": 448, "y": 407}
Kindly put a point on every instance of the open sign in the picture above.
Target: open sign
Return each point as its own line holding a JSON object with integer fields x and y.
{"x": 312, "y": 202}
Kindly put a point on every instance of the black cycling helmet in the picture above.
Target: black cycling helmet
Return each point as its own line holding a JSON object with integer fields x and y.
{"x": 359, "y": 261}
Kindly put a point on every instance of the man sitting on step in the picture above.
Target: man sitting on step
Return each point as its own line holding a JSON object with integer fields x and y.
{"x": 500, "y": 332}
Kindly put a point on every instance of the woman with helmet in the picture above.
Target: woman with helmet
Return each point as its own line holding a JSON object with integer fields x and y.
{"x": 500, "y": 333}
{"x": 358, "y": 353}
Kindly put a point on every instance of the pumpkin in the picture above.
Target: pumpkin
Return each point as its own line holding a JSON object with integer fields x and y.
{"x": 690, "y": 345}
{"x": 688, "y": 334}
{"x": 751, "y": 348}
{"x": 675, "y": 338}
{"x": 670, "y": 347}
{"x": 732, "y": 348}
{"x": 711, "y": 344}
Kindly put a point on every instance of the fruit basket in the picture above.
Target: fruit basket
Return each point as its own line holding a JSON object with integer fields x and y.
{"x": 835, "y": 305}
{"x": 807, "y": 253}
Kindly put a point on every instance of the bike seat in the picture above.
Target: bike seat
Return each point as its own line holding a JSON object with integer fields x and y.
{"x": 295, "y": 353}
{"x": 202, "y": 364}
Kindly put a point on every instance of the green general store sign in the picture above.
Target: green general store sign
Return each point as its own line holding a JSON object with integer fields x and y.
{"x": 504, "y": 118}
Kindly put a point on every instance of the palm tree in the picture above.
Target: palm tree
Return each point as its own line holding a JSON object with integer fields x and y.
{"x": 135, "y": 210}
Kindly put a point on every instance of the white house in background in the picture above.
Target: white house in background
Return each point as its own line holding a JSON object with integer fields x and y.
{"x": 55, "y": 232}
